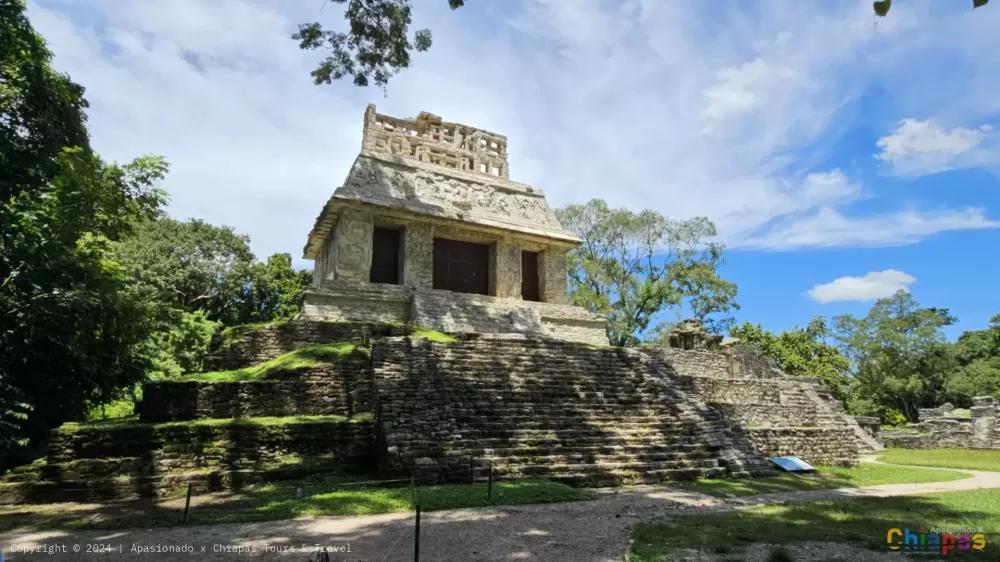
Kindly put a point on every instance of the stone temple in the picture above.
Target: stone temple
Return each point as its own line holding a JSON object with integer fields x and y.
{"x": 437, "y": 342}
{"x": 429, "y": 229}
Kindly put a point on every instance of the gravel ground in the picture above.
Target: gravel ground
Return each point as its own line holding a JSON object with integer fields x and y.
{"x": 591, "y": 531}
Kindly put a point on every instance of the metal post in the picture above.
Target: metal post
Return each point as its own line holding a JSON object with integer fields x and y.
{"x": 187, "y": 503}
{"x": 413, "y": 490}
{"x": 416, "y": 539}
{"x": 489, "y": 493}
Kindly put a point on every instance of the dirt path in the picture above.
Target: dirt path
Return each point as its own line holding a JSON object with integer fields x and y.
{"x": 592, "y": 531}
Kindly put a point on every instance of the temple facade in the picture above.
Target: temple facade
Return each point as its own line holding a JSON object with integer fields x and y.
{"x": 428, "y": 228}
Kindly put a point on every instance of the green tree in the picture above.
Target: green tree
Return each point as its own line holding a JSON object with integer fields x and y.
{"x": 190, "y": 265}
{"x": 275, "y": 290}
{"x": 41, "y": 110}
{"x": 68, "y": 326}
{"x": 881, "y": 7}
{"x": 631, "y": 266}
{"x": 978, "y": 356}
{"x": 194, "y": 266}
{"x": 802, "y": 352}
{"x": 71, "y": 326}
{"x": 376, "y": 45}
{"x": 900, "y": 358}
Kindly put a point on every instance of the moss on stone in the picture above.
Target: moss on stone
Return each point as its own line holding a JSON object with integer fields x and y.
{"x": 432, "y": 335}
{"x": 215, "y": 422}
{"x": 230, "y": 335}
{"x": 298, "y": 359}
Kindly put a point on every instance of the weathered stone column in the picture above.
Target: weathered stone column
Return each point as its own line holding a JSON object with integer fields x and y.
{"x": 552, "y": 277}
{"x": 505, "y": 275}
{"x": 984, "y": 412}
{"x": 353, "y": 237}
{"x": 418, "y": 256}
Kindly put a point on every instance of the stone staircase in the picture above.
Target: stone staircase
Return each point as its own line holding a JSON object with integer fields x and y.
{"x": 582, "y": 414}
{"x": 519, "y": 405}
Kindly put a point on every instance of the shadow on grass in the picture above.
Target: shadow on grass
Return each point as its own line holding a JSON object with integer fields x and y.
{"x": 825, "y": 478}
{"x": 314, "y": 496}
{"x": 866, "y": 521}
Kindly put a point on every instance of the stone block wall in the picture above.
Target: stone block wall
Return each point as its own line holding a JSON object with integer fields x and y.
{"x": 770, "y": 414}
{"x": 477, "y": 314}
{"x": 871, "y": 426}
{"x": 323, "y": 390}
{"x": 940, "y": 428}
{"x": 123, "y": 460}
{"x": 258, "y": 344}
{"x": 815, "y": 445}
{"x": 343, "y": 301}
{"x": 694, "y": 363}
{"x": 752, "y": 362}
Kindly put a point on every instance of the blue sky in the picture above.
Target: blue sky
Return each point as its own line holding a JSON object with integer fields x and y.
{"x": 840, "y": 161}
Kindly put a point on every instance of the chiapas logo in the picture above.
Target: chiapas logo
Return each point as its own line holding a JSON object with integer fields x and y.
{"x": 941, "y": 541}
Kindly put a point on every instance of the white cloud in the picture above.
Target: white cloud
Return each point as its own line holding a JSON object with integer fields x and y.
{"x": 828, "y": 228}
{"x": 871, "y": 286}
{"x": 675, "y": 106}
{"x": 742, "y": 88}
{"x": 924, "y": 147}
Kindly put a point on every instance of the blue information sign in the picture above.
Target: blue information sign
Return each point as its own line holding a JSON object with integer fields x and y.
{"x": 792, "y": 464}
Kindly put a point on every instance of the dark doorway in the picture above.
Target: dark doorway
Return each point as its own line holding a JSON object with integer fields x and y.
{"x": 462, "y": 267}
{"x": 385, "y": 256}
{"x": 529, "y": 276}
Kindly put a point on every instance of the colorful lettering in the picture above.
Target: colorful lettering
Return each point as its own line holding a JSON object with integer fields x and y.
{"x": 947, "y": 543}
{"x": 893, "y": 545}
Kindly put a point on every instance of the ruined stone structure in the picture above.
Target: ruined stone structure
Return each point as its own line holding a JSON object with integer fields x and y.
{"x": 428, "y": 228}
{"x": 429, "y": 232}
{"x": 946, "y": 427}
{"x": 440, "y": 407}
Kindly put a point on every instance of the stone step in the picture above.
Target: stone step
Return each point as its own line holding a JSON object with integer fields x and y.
{"x": 656, "y": 445}
{"x": 676, "y": 451}
{"x": 658, "y": 460}
{"x": 604, "y": 475}
{"x": 579, "y": 424}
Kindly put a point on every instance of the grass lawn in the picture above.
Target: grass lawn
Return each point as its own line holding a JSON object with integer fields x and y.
{"x": 864, "y": 521}
{"x": 973, "y": 459}
{"x": 825, "y": 477}
{"x": 305, "y": 357}
{"x": 322, "y": 496}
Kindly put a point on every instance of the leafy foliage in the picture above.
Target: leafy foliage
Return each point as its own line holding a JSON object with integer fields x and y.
{"x": 633, "y": 265}
{"x": 376, "y": 45}
{"x": 194, "y": 266}
{"x": 978, "y": 356}
{"x": 274, "y": 291}
{"x": 71, "y": 325}
{"x": 190, "y": 265}
{"x": 882, "y": 7}
{"x": 42, "y": 112}
{"x": 802, "y": 352}
{"x": 900, "y": 357}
